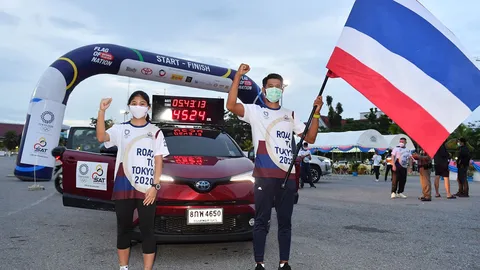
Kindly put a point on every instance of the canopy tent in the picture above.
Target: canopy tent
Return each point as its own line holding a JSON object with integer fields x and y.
{"x": 392, "y": 141}
{"x": 364, "y": 140}
{"x": 353, "y": 150}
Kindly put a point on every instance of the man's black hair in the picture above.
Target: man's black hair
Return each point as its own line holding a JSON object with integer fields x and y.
{"x": 403, "y": 138}
{"x": 272, "y": 76}
{"x": 462, "y": 140}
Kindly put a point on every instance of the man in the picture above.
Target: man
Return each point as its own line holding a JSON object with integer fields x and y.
{"x": 424, "y": 168}
{"x": 305, "y": 175}
{"x": 272, "y": 130}
{"x": 389, "y": 165}
{"x": 462, "y": 164}
{"x": 376, "y": 164}
{"x": 402, "y": 159}
{"x": 442, "y": 159}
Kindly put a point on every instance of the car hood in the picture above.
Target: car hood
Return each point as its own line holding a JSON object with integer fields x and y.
{"x": 205, "y": 167}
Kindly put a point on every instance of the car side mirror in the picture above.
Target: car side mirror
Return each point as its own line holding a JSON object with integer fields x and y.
{"x": 251, "y": 155}
{"x": 109, "y": 151}
{"x": 58, "y": 151}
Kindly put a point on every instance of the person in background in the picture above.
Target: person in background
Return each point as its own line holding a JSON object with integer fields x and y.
{"x": 402, "y": 159}
{"x": 389, "y": 165}
{"x": 306, "y": 174}
{"x": 424, "y": 168}
{"x": 463, "y": 163}
{"x": 441, "y": 159}
{"x": 376, "y": 164}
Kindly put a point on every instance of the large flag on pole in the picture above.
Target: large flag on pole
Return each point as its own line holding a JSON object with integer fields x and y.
{"x": 407, "y": 63}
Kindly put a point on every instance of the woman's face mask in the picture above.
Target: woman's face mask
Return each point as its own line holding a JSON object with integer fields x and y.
{"x": 273, "y": 94}
{"x": 138, "y": 111}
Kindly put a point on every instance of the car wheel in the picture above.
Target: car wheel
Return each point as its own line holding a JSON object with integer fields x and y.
{"x": 316, "y": 173}
{"x": 59, "y": 183}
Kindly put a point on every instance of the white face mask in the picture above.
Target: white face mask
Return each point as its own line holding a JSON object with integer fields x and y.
{"x": 401, "y": 144}
{"x": 138, "y": 111}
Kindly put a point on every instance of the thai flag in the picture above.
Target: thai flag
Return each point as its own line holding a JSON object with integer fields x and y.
{"x": 407, "y": 63}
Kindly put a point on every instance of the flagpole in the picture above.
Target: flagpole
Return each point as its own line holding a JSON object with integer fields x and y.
{"x": 303, "y": 134}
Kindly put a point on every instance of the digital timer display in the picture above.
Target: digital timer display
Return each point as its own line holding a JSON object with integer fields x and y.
{"x": 174, "y": 109}
{"x": 187, "y": 132}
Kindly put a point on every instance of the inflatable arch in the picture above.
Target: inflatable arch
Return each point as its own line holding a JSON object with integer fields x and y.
{"x": 47, "y": 106}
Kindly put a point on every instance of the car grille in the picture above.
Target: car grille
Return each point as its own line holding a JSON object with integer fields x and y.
{"x": 178, "y": 225}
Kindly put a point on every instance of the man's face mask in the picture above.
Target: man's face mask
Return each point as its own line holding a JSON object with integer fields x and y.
{"x": 401, "y": 144}
{"x": 273, "y": 94}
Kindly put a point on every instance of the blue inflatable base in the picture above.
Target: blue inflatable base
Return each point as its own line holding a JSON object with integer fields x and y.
{"x": 31, "y": 173}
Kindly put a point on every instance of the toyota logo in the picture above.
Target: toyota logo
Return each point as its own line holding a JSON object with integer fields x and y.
{"x": 202, "y": 185}
{"x": 147, "y": 71}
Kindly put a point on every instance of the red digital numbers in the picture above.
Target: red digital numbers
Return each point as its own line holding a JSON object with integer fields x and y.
{"x": 189, "y": 103}
{"x": 189, "y": 115}
{"x": 188, "y": 160}
{"x": 187, "y": 132}
{"x": 189, "y": 110}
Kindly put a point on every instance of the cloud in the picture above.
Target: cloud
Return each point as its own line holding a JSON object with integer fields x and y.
{"x": 67, "y": 24}
{"x": 8, "y": 19}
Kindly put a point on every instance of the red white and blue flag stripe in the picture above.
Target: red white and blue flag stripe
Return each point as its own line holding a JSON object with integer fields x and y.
{"x": 407, "y": 63}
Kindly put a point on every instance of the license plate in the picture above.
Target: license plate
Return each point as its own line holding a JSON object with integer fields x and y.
{"x": 205, "y": 216}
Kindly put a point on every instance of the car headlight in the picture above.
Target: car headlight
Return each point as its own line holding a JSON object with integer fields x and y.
{"x": 166, "y": 178}
{"x": 244, "y": 177}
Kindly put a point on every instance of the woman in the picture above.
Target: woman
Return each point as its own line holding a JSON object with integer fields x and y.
{"x": 141, "y": 148}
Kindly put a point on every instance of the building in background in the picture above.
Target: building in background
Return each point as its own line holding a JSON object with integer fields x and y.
{"x": 364, "y": 115}
{"x": 5, "y": 127}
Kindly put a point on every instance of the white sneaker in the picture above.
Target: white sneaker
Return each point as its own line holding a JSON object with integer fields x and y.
{"x": 400, "y": 195}
{"x": 393, "y": 196}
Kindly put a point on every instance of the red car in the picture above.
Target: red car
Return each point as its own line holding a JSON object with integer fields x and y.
{"x": 207, "y": 187}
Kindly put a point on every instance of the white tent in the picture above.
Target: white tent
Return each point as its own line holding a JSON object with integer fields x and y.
{"x": 369, "y": 138}
{"x": 392, "y": 141}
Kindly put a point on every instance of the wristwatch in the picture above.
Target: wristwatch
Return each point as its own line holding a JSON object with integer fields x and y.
{"x": 156, "y": 186}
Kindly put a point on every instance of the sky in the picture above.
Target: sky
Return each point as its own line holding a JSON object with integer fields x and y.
{"x": 294, "y": 39}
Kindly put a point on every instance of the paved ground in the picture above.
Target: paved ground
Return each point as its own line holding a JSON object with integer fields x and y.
{"x": 348, "y": 223}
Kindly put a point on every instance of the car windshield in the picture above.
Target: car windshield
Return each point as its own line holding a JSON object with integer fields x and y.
{"x": 198, "y": 142}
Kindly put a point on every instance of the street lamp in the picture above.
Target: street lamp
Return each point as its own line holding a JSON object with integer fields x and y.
{"x": 125, "y": 113}
{"x": 286, "y": 83}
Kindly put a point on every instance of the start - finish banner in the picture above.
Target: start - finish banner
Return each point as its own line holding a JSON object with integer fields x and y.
{"x": 47, "y": 107}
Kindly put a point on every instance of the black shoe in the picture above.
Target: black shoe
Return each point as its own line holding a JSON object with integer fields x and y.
{"x": 312, "y": 185}
{"x": 285, "y": 267}
{"x": 259, "y": 267}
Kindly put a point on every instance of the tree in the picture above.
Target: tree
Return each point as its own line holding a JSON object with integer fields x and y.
{"x": 240, "y": 131}
{"x": 108, "y": 123}
{"x": 10, "y": 140}
{"x": 463, "y": 131}
{"x": 334, "y": 114}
